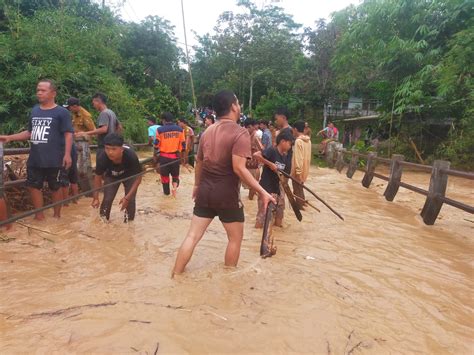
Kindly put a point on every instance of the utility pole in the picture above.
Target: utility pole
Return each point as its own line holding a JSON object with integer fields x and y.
{"x": 187, "y": 55}
{"x": 325, "y": 115}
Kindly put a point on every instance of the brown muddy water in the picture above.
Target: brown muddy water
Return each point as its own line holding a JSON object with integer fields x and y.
{"x": 379, "y": 283}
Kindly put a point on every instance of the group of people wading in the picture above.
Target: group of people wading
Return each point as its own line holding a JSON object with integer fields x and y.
{"x": 228, "y": 154}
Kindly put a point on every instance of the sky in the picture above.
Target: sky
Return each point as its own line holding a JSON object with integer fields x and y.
{"x": 201, "y": 15}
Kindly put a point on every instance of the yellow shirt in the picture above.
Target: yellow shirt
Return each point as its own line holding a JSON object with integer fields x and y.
{"x": 82, "y": 121}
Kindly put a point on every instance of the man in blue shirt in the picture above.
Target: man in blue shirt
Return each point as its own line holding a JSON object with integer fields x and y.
{"x": 267, "y": 135}
{"x": 152, "y": 128}
{"x": 50, "y": 132}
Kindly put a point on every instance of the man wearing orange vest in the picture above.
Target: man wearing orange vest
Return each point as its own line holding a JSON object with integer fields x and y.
{"x": 170, "y": 141}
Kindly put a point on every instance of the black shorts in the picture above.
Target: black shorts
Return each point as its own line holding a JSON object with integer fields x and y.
{"x": 225, "y": 215}
{"x": 169, "y": 166}
{"x": 37, "y": 176}
{"x": 69, "y": 176}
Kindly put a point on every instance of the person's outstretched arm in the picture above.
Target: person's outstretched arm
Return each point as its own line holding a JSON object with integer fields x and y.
{"x": 22, "y": 136}
{"x": 238, "y": 164}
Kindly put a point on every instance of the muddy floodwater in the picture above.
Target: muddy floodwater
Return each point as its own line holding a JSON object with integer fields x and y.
{"x": 381, "y": 282}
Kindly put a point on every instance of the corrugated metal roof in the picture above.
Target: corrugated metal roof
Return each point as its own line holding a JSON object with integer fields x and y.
{"x": 362, "y": 118}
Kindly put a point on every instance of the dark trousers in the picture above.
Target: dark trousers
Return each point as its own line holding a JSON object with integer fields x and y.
{"x": 109, "y": 195}
{"x": 169, "y": 166}
{"x": 298, "y": 191}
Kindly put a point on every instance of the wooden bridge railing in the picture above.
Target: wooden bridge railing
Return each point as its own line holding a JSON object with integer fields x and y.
{"x": 435, "y": 195}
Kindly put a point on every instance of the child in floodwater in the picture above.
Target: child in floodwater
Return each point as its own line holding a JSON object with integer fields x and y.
{"x": 274, "y": 159}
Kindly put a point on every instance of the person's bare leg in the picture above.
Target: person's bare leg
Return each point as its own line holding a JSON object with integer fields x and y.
{"x": 278, "y": 222}
{"x": 174, "y": 190}
{"x": 235, "y": 233}
{"x": 37, "y": 200}
{"x": 3, "y": 213}
{"x": 260, "y": 215}
{"x": 185, "y": 252}
{"x": 65, "y": 192}
{"x": 75, "y": 191}
{"x": 57, "y": 196}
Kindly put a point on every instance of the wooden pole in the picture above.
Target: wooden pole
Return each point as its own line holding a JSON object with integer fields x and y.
{"x": 340, "y": 159}
{"x": 369, "y": 170}
{"x": 396, "y": 170}
{"x": 3, "y": 205}
{"x": 353, "y": 164}
{"x": 438, "y": 184}
{"x": 187, "y": 55}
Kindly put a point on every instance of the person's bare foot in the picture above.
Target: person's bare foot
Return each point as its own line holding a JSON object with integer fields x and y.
{"x": 40, "y": 217}
{"x": 174, "y": 192}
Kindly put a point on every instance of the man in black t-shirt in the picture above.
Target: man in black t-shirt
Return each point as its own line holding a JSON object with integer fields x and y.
{"x": 274, "y": 159}
{"x": 50, "y": 133}
{"x": 117, "y": 162}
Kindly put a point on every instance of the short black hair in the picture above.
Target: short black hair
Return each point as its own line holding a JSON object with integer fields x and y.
{"x": 183, "y": 120}
{"x": 285, "y": 135}
{"x": 299, "y": 126}
{"x": 223, "y": 101}
{"x": 100, "y": 96}
{"x": 167, "y": 116}
{"x": 113, "y": 139}
{"x": 283, "y": 111}
{"x": 52, "y": 84}
{"x": 210, "y": 117}
{"x": 264, "y": 122}
{"x": 249, "y": 122}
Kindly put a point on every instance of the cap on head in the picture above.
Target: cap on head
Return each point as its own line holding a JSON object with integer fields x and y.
{"x": 113, "y": 139}
{"x": 72, "y": 101}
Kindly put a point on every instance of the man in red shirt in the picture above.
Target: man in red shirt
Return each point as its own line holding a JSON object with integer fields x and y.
{"x": 223, "y": 151}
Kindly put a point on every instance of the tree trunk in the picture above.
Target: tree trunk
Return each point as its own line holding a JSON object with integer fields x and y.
{"x": 251, "y": 92}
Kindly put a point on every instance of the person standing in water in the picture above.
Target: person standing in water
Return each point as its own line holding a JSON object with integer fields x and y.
{"x": 107, "y": 122}
{"x": 171, "y": 143}
{"x": 118, "y": 162}
{"x": 50, "y": 133}
{"x": 301, "y": 161}
{"x": 222, "y": 154}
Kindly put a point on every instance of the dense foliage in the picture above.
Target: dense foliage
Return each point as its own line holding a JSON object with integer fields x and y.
{"x": 414, "y": 57}
{"x": 86, "y": 49}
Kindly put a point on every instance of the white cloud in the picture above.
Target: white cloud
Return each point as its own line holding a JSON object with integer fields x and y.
{"x": 201, "y": 15}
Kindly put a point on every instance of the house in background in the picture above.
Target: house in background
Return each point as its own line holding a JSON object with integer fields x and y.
{"x": 352, "y": 107}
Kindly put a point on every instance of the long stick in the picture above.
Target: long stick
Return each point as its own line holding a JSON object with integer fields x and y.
{"x": 307, "y": 202}
{"x": 311, "y": 192}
